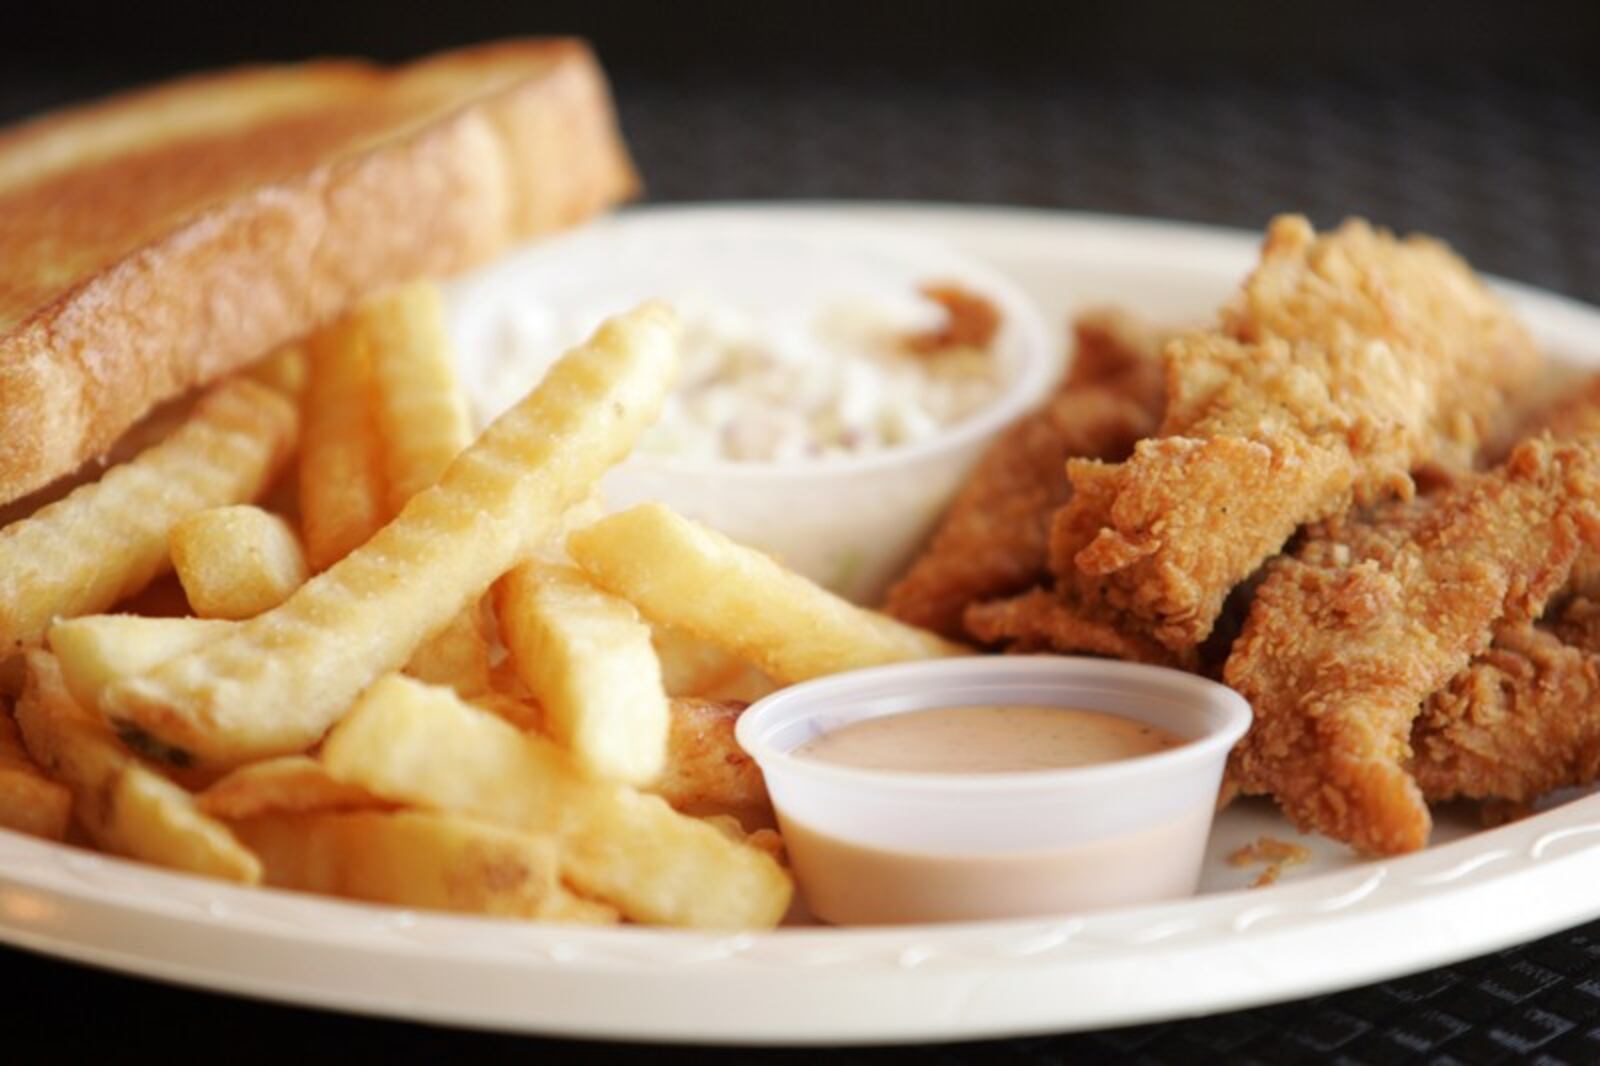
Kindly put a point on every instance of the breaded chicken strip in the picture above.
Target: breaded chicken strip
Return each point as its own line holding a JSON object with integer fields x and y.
{"x": 1517, "y": 723}
{"x": 1520, "y": 721}
{"x": 1348, "y": 637}
{"x": 991, "y": 542}
{"x": 1346, "y": 362}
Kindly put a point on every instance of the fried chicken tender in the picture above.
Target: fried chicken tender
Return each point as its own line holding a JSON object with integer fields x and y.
{"x": 1515, "y": 724}
{"x": 1519, "y": 722}
{"x": 992, "y": 540}
{"x": 1348, "y": 637}
{"x": 1347, "y": 361}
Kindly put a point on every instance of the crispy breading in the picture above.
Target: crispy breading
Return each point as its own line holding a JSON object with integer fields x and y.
{"x": 1039, "y": 620}
{"x": 1347, "y": 361}
{"x": 1348, "y": 637}
{"x": 1515, "y": 724}
{"x": 992, "y": 541}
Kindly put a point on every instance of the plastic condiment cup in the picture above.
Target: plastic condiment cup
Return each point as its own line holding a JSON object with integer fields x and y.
{"x": 881, "y": 847}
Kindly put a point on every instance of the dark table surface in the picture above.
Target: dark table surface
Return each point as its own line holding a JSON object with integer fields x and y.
{"x": 1501, "y": 160}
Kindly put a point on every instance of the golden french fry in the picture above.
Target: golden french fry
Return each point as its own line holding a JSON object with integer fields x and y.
{"x": 707, "y": 772}
{"x": 122, "y": 805}
{"x": 587, "y": 659}
{"x": 235, "y": 562}
{"x": 341, "y": 471}
{"x": 275, "y": 684}
{"x": 414, "y": 859}
{"x": 418, "y": 744}
{"x": 457, "y": 656}
{"x": 290, "y": 784}
{"x": 683, "y": 574}
{"x": 97, "y": 649}
{"x": 29, "y": 801}
{"x": 285, "y": 370}
{"x": 108, "y": 539}
{"x": 422, "y": 414}
{"x": 697, "y": 669}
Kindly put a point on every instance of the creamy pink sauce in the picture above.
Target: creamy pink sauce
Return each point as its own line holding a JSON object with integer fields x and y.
{"x": 987, "y": 740}
{"x": 850, "y": 883}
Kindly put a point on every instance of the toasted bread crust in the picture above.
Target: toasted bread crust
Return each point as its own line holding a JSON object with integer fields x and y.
{"x": 491, "y": 145}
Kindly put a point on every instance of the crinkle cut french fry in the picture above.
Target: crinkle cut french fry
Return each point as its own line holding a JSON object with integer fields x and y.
{"x": 341, "y": 472}
{"x": 683, "y": 574}
{"x": 106, "y": 540}
{"x": 587, "y": 658}
{"x": 235, "y": 562}
{"x": 418, "y": 744}
{"x": 422, "y": 414}
{"x": 29, "y": 801}
{"x": 276, "y": 683}
{"x": 289, "y": 784}
{"x": 95, "y": 650}
{"x": 414, "y": 859}
{"x": 457, "y": 656}
{"x": 422, "y": 426}
{"x": 123, "y": 806}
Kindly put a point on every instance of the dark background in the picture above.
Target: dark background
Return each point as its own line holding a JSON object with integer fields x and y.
{"x": 1477, "y": 122}
{"x": 1473, "y": 121}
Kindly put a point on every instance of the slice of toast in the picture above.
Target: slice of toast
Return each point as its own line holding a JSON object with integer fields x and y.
{"x": 160, "y": 239}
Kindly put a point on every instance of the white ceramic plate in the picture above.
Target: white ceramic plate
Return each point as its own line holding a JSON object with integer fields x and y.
{"x": 1335, "y": 923}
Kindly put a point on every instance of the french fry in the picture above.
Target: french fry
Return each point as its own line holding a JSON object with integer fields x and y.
{"x": 417, "y": 859}
{"x": 341, "y": 472}
{"x": 697, "y": 669}
{"x": 683, "y": 574}
{"x": 289, "y": 784}
{"x": 285, "y": 370}
{"x": 422, "y": 427}
{"x": 108, "y": 539}
{"x": 235, "y": 562}
{"x": 95, "y": 650}
{"x": 276, "y": 683}
{"x": 422, "y": 414}
{"x": 457, "y": 656}
{"x": 422, "y": 745}
{"x": 29, "y": 801}
{"x": 587, "y": 658}
{"x": 707, "y": 773}
{"x": 121, "y": 804}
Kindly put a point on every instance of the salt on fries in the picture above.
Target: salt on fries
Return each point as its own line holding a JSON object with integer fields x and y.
{"x": 418, "y": 744}
{"x": 275, "y": 684}
{"x": 685, "y": 575}
{"x": 235, "y": 562}
{"x": 587, "y": 658}
{"x": 108, "y": 539}
{"x": 123, "y": 805}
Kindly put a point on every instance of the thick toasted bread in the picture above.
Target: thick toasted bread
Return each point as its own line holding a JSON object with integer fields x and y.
{"x": 160, "y": 239}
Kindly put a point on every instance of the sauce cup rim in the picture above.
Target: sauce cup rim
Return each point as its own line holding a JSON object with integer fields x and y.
{"x": 1108, "y": 675}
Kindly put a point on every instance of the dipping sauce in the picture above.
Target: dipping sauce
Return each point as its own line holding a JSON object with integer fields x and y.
{"x": 846, "y": 882}
{"x": 1006, "y": 786}
{"x": 988, "y": 740}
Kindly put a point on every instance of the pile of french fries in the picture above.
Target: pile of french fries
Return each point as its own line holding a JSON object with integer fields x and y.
{"x": 408, "y": 666}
